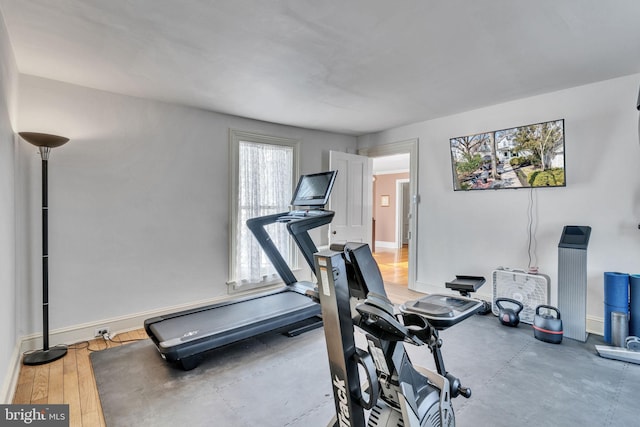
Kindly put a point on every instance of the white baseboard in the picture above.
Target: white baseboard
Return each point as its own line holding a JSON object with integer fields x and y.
{"x": 383, "y": 244}
{"x": 595, "y": 325}
{"x": 11, "y": 380}
{"x": 84, "y": 332}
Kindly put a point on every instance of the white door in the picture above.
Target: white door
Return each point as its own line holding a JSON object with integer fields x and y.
{"x": 351, "y": 198}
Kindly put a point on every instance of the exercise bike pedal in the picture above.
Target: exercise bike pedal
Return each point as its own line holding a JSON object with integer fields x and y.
{"x": 485, "y": 308}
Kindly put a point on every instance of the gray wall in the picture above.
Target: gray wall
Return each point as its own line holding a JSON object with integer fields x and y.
{"x": 8, "y": 86}
{"x": 138, "y": 201}
{"x": 475, "y": 232}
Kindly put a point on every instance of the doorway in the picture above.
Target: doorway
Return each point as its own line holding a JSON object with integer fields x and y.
{"x": 390, "y": 217}
{"x": 395, "y": 180}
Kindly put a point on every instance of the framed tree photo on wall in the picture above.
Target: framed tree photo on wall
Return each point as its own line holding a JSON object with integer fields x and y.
{"x": 521, "y": 157}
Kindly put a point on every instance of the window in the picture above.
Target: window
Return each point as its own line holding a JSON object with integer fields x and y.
{"x": 264, "y": 171}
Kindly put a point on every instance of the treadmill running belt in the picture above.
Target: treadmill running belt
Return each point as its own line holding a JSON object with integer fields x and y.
{"x": 228, "y": 318}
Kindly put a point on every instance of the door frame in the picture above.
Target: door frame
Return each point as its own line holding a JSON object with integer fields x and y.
{"x": 400, "y": 212}
{"x": 406, "y": 146}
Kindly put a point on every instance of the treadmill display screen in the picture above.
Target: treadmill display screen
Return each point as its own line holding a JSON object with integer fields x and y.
{"x": 314, "y": 189}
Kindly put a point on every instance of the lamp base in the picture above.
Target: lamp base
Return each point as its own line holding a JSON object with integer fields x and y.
{"x": 40, "y": 357}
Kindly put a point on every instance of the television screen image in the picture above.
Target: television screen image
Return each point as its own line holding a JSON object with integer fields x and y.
{"x": 530, "y": 156}
{"x": 314, "y": 189}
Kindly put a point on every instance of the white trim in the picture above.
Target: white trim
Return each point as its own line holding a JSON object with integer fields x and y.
{"x": 234, "y": 288}
{"x": 120, "y": 324}
{"x": 244, "y": 286}
{"x": 235, "y": 136}
{"x": 392, "y": 172}
{"x": 595, "y": 325}
{"x": 11, "y": 380}
{"x": 84, "y": 332}
{"x": 389, "y": 245}
{"x": 399, "y": 210}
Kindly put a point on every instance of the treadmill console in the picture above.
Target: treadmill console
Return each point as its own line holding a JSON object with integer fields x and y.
{"x": 442, "y": 311}
{"x": 298, "y": 215}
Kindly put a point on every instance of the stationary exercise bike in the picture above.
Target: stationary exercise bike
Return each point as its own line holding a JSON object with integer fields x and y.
{"x": 397, "y": 393}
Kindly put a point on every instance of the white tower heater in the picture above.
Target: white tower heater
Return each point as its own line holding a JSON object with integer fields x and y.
{"x": 572, "y": 281}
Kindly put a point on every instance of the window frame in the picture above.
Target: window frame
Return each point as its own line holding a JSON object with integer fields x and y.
{"x": 235, "y": 137}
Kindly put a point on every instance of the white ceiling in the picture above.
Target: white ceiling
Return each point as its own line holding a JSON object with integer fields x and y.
{"x": 349, "y": 66}
{"x": 395, "y": 163}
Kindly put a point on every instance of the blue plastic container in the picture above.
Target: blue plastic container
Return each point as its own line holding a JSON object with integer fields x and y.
{"x": 616, "y": 298}
{"x": 634, "y": 305}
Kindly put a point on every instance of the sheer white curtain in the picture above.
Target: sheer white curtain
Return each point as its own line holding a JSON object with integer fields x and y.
{"x": 265, "y": 180}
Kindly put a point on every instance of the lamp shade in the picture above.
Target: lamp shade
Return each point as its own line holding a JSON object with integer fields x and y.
{"x": 43, "y": 139}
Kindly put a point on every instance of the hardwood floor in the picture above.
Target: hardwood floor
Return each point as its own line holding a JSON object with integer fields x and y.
{"x": 70, "y": 379}
{"x": 393, "y": 264}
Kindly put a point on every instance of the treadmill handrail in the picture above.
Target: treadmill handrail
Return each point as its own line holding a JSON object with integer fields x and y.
{"x": 298, "y": 229}
{"x": 257, "y": 226}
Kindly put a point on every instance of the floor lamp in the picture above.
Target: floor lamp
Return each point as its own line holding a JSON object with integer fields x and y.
{"x": 45, "y": 143}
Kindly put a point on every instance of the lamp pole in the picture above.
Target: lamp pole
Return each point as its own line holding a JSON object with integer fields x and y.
{"x": 45, "y": 142}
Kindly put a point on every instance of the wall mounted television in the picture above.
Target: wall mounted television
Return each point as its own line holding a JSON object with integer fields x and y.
{"x": 530, "y": 156}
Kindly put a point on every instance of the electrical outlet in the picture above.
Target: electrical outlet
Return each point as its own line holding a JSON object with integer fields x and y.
{"x": 98, "y": 332}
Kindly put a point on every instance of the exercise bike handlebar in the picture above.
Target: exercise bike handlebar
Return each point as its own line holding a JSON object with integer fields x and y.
{"x": 457, "y": 389}
{"x": 377, "y": 318}
{"x": 464, "y": 392}
{"x": 378, "y": 311}
{"x": 382, "y": 324}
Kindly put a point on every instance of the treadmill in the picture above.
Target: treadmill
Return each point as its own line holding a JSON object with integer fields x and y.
{"x": 183, "y": 337}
